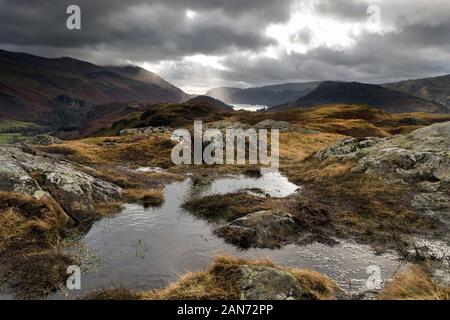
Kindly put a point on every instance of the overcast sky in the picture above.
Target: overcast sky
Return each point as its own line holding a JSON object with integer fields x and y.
{"x": 199, "y": 44}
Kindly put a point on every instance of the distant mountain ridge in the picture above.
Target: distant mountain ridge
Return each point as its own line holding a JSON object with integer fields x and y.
{"x": 268, "y": 95}
{"x": 435, "y": 89}
{"x": 59, "y": 91}
{"x": 332, "y": 92}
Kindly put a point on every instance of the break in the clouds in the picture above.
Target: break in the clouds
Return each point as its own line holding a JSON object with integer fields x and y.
{"x": 198, "y": 44}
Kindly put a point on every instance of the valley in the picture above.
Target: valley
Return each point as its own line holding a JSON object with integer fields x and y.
{"x": 87, "y": 178}
{"x": 331, "y": 201}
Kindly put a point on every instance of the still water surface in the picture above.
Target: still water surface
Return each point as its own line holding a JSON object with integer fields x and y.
{"x": 148, "y": 248}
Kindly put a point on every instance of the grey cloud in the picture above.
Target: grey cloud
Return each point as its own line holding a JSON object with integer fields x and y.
{"x": 344, "y": 9}
{"x": 304, "y": 36}
{"x": 150, "y": 31}
{"x": 142, "y": 30}
{"x": 414, "y": 52}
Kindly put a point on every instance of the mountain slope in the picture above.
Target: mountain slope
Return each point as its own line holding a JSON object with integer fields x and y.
{"x": 209, "y": 102}
{"x": 268, "y": 95}
{"x": 435, "y": 89}
{"x": 391, "y": 101}
{"x": 140, "y": 74}
{"x": 59, "y": 91}
{"x": 126, "y": 115}
{"x": 174, "y": 115}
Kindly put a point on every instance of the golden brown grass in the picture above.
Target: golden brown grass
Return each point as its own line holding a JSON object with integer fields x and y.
{"x": 414, "y": 284}
{"x": 107, "y": 208}
{"x": 30, "y": 232}
{"x": 28, "y": 223}
{"x": 153, "y": 151}
{"x": 220, "y": 282}
{"x": 297, "y": 146}
{"x": 359, "y": 205}
{"x": 349, "y": 127}
{"x": 151, "y": 197}
{"x": 350, "y": 120}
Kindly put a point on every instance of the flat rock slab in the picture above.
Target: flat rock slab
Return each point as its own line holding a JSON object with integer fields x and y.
{"x": 266, "y": 283}
{"x": 37, "y": 176}
{"x": 263, "y": 229}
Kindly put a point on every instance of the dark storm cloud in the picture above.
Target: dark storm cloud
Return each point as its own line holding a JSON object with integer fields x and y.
{"x": 415, "y": 41}
{"x": 415, "y": 51}
{"x": 142, "y": 30}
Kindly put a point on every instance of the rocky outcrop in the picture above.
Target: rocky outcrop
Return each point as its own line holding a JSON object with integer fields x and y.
{"x": 263, "y": 229}
{"x": 272, "y": 124}
{"x": 423, "y": 155}
{"x": 40, "y": 176}
{"x": 420, "y": 159}
{"x": 266, "y": 283}
{"x": 43, "y": 140}
{"x": 147, "y": 131}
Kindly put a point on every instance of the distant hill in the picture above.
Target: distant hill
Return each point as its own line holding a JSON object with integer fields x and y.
{"x": 385, "y": 99}
{"x": 175, "y": 115}
{"x": 268, "y": 95}
{"x": 110, "y": 118}
{"x": 435, "y": 89}
{"x": 59, "y": 91}
{"x": 210, "y": 102}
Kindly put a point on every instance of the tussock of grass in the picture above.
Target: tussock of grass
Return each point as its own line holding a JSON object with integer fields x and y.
{"x": 151, "y": 197}
{"x": 30, "y": 231}
{"x": 107, "y": 208}
{"x": 226, "y": 207}
{"x": 220, "y": 282}
{"x": 36, "y": 274}
{"x": 414, "y": 284}
{"x": 29, "y": 223}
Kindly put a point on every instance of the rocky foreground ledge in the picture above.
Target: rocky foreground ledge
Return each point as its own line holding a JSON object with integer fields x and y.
{"x": 420, "y": 159}
{"x": 231, "y": 278}
{"x": 382, "y": 191}
{"x": 42, "y": 200}
{"x": 41, "y": 176}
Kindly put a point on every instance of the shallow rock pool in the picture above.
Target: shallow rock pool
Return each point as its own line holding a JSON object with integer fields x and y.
{"x": 145, "y": 249}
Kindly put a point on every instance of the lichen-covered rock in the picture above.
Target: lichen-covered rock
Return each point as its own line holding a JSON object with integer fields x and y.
{"x": 223, "y": 125}
{"x": 147, "y": 131}
{"x": 263, "y": 229}
{"x": 353, "y": 148}
{"x": 420, "y": 159}
{"x": 272, "y": 124}
{"x": 14, "y": 178}
{"x": 76, "y": 191}
{"x": 423, "y": 155}
{"x": 266, "y": 283}
{"x": 43, "y": 140}
{"x": 434, "y": 205}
